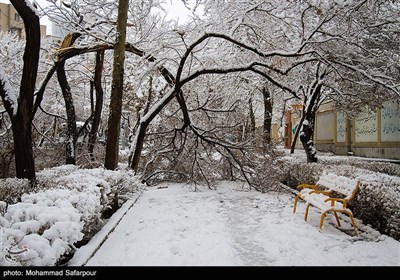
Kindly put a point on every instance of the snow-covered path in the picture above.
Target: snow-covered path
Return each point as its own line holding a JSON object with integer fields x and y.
{"x": 231, "y": 227}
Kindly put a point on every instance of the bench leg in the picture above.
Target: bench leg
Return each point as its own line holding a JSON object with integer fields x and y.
{"x": 321, "y": 221}
{"x": 296, "y": 199}
{"x": 337, "y": 218}
{"x": 352, "y": 221}
{"x": 306, "y": 213}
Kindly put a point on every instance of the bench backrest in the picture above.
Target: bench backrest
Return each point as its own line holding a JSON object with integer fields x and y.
{"x": 346, "y": 186}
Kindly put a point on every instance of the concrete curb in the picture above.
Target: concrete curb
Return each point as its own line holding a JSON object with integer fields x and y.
{"x": 84, "y": 253}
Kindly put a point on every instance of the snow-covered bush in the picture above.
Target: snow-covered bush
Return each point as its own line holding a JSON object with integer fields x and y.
{"x": 90, "y": 191}
{"x": 98, "y": 188}
{"x": 11, "y": 189}
{"x": 65, "y": 207}
{"x": 47, "y": 228}
{"x": 293, "y": 174}
{"x": 378, "y": 200}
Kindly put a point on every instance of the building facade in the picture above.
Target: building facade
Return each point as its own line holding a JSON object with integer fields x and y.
{"x": 370, "y": 134}
{"x": 11, "y": 21}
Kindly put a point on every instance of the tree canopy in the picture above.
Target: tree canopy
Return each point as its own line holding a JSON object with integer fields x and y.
{"x": 195, "y": 90}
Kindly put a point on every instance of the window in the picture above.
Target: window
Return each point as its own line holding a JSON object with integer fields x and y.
{"x": 16, "y": 17}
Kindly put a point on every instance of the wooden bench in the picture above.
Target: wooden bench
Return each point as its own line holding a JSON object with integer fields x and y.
{"x": 322, "y": 196}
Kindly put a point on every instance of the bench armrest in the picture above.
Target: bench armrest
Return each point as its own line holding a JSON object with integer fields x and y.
{"x": 321, "y": 192}
{"x": 333, "y": 199}
{"x": 307, "y": 186}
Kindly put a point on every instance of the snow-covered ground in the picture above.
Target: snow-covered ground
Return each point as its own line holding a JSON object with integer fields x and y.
{"x": 172, "y": 225}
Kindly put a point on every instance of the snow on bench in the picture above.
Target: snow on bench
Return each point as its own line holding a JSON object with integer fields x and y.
{"x": 331, "y": 184}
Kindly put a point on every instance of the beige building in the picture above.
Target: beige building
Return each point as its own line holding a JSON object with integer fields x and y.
{"x": 373, "y": 134}
{"x": 11, "y": 21}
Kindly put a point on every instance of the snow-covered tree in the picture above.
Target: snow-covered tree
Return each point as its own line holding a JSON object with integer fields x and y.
{"x": 337, "y": 35}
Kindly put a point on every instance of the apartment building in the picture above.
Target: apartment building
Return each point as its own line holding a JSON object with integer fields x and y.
{"x": 11, "y": 21}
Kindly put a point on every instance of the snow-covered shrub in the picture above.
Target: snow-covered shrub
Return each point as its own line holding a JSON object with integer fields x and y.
{"x": 123, "y": 181}
{"x": 90, "y": 191}
{"x": 378, "y": 200}
{"x": 86, "y": 202}
{"x": 11, "y": 189}
{"x": 64, "y": 208}
{"x": 381, "y": 167}
{"x": 294, "y": 174}
{"x": 47, "y": 228}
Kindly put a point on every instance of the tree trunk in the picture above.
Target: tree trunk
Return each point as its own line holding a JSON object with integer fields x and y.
{"x": 267, "y": 118}
{"x": 22, "y": 135}
{"x": 306, "y": 138}
{"x": 138, "y": 146}
{"x": 252, "y": 118}
{"x": 99, "y": 103}
{"x": 297, "y": 133}
{"x": 114, "y": 119}
{"x": 307, "y": 129}
{"x": 71, "y": 137}
{"x": 21, "y": 117}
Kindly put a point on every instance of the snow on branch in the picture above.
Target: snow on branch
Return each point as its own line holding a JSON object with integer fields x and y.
{"x": 205, "y": 36}
{"x": 30, "y": 6}
{"x": 25, "y": 9}
{"x": 313, "y": 32}
{"x": 156, "y": 108}
{"x": 240, "y": 20}
{"x": 393, "y": 88}
{"x": 250, "y": 67}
